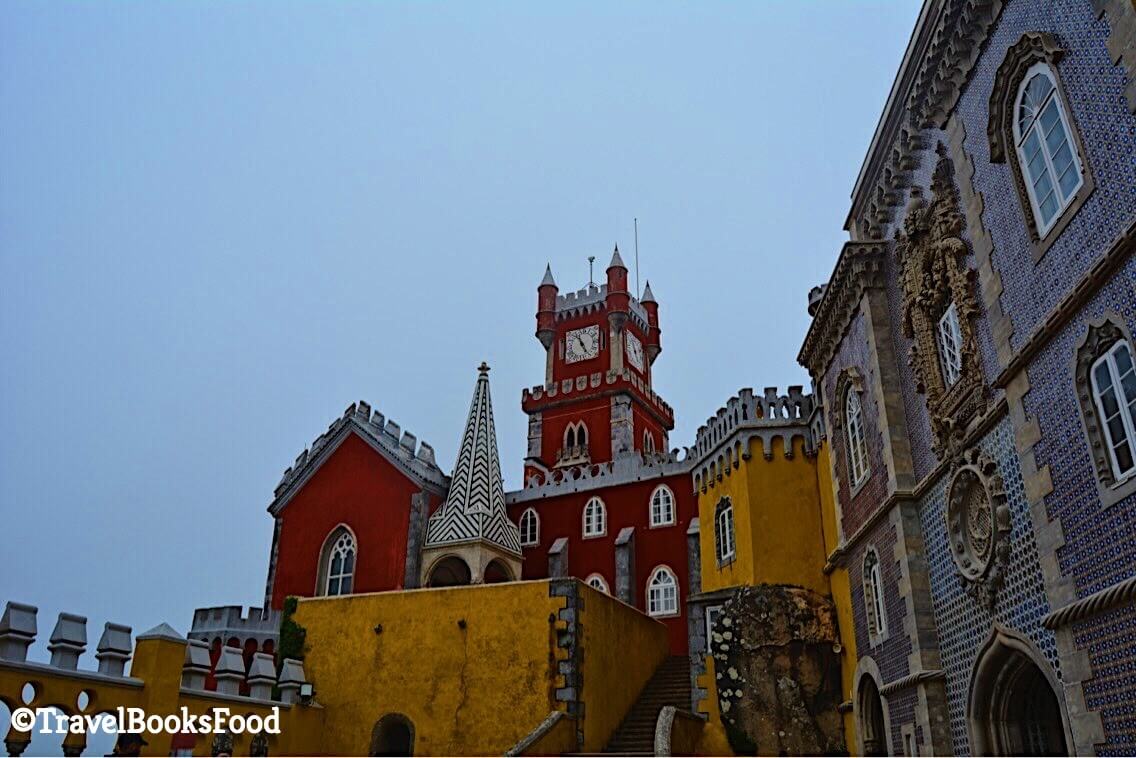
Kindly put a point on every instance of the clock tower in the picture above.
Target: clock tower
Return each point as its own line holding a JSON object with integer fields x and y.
{"x": 597, "y": 402}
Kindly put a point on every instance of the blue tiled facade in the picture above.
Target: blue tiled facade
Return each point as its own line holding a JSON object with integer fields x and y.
{"x": 1066, "y": 600}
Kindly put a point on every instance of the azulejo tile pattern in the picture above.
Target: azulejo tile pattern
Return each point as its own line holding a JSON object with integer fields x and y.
{"x": 964, "y": 624}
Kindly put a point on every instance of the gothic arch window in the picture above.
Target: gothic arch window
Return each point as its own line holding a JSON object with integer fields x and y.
{"x": 648, "y": 443}
{"x": 857, "y": 452}
{"x": 662, "y": 506}
{"x": 576, "y": 435}
{"x": 1105, "y": 373}
{"x": 873, "y": 729}
{"x": 337, "y": 563}
{"x": 874, "y": 597}
{"x": 530, "y": 528}
{"x": 725, "y": 546}
{"x": 662, "y": 593}
{"x": 597, "y": 582}
{"x": 595, "y": 518}
{"x": 1030, "y": 125}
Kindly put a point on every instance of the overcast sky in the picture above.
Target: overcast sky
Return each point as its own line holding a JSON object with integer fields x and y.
{"x": 220, "y": 224}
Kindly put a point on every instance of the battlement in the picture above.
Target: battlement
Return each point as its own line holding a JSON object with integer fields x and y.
{"x": 535, "y": 397}
{"x": 414, "y": 457}
{"x": 228, "y": 621}
{"x": 68, "y": 641}
{"x": 633, "y": 467}
{"x": 592, "y": 298}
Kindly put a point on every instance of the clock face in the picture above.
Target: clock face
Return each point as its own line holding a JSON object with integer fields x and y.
{"x": 582, "y": 344}
{"x": 634, "y": 351}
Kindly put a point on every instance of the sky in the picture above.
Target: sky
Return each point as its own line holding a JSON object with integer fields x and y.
{"x": 221, "y": 224}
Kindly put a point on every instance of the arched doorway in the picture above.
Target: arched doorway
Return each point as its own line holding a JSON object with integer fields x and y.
{"x": 450, "y": 572}
{"x": 393, "y": 734}
{"x": 1014, "y": 708}
{"x": 872, "y": 728}
{"x": 496, "y": 572}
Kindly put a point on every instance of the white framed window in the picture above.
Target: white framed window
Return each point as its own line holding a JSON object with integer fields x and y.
{"x": 854, "y": 428}
{"x": 1114, "y": 391}
{"x": 1051, "y": 168}
{"x": 874, "y": 594}
{"x": 724, "y": 530}
{"x": 575, "y": 436}
{"x": 595, "y": 518}
{"x": 712, "y": 613}
{"x": 339, "y": 563}
{"x": 662, "y": 506}
{"x": 648, "y": 443}
{"x": 530, "y": 528}
{"x": 950, "y": 345}
{"x": 662, "y": 593}
{"x": 597, "y": 582}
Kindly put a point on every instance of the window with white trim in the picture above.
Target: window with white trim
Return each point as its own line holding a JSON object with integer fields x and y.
{"x": 648, "y": 443}
{"x": 854, "y": 429}
{"x": 874, "y": 594}
{"x": 1050, "y": 165}
{"x": 339, "y": 568}
{"x": 597, "y": 582}
{"x": 662, "y": 506}
{"x": 712, "y": 613}
{"x": 724, "y": 541}
{"x": 1114, "y": 392}
{"x": 595, "y": 518}
{"x": 662, "y": 593}
{"x": 530, "y": 528}
{"x": 950, "y": 345}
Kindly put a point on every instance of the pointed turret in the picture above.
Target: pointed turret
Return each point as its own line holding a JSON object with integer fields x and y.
{"x": 618, "y": 298}
{"x": 472, "y": 525}
{"x": 616, "y": 260}
{"x": 546, "y": 293}
{"x": 547, "y": 280}
{"x": 654, "y": 344}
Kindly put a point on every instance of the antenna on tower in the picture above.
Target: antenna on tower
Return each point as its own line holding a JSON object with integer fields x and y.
{"x": 591, "y": 279}
{"x": 638, "y": 292}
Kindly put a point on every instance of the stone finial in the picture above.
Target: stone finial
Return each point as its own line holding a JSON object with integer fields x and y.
{"x": 68, "y": 641}
{"x": 17, "y": 631}
{"x": 291, "y": 678}
{"x": 114, "y": 649}
{"x": 196, "y": 665}
{"x": 230, "y": 671}
{"x": 261, "y": 676}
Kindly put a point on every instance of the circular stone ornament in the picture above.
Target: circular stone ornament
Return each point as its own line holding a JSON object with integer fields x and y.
{"x": 978, "y": 524}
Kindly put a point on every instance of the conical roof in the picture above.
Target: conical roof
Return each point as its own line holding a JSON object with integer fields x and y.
{"x": 475, "y": 506}
{"x": 548, "y": 276}
{"x": 648, "y": 295}
{"x": 616, "y": 260}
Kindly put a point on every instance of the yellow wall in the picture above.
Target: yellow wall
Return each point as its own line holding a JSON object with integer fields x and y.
{"x": 777, "y": 522}
{"x": 841, "y": 590}
{"x": 474, "y": 690}
{"x": 154, "y": 685}
{"x": 622, "y": 648}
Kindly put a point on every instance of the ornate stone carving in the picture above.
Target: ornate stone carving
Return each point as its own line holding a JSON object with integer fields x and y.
{"x": 933, "y": 276}
{"x": 1100, "y": 336}
{"x": 978, "y": 524}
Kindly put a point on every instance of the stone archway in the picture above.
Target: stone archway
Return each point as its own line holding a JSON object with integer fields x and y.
{"x": 1014, "y": 707}
{"x": 873, "y": 730}
{"x": 497, "y": 572}
{"x": 393, "y": 734}
{"x": 450, "y": 571}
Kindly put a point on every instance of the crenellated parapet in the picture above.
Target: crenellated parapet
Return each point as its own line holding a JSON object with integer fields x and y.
{"x": 723, "y": 442}
{"x": 414, "y": 458}
{"x": 228, "y": 621}
{"x": 636, "y": 467}
{"x": 540, "y": 397}
{"x": 593, "y": 299}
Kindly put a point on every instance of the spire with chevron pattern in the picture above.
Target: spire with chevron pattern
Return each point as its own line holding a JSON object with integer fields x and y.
{"x": 475, "y": 506}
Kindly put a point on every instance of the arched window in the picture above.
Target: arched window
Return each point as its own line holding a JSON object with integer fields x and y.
{"x": 1114, "y": 392}
{"x": 596, "y": 581}
{"x": 337, "y": 563}
{"x": 648, "y": 443}
{"x": 662, "y": 506}
{"x": 530, "y": 528}
{"x": 950, "y": 345}
{"x": 662, "y": 593}
{"x": 854, "y": 427}
{"x": 724, "y": 531}
{"x": 1051, "y": 168}
{"x": 576, "y": 435}
{"x": 874, "y": 596}
{"x": 595, "y": 518}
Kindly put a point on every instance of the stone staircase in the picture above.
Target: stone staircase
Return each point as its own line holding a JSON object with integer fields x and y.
{"x": 669, "y": 685}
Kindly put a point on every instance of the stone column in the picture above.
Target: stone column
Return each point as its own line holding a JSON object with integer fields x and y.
{"x": 625, "y": 578}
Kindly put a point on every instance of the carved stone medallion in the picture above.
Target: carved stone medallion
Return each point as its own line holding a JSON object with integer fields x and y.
{"x": 978, "y": 524}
